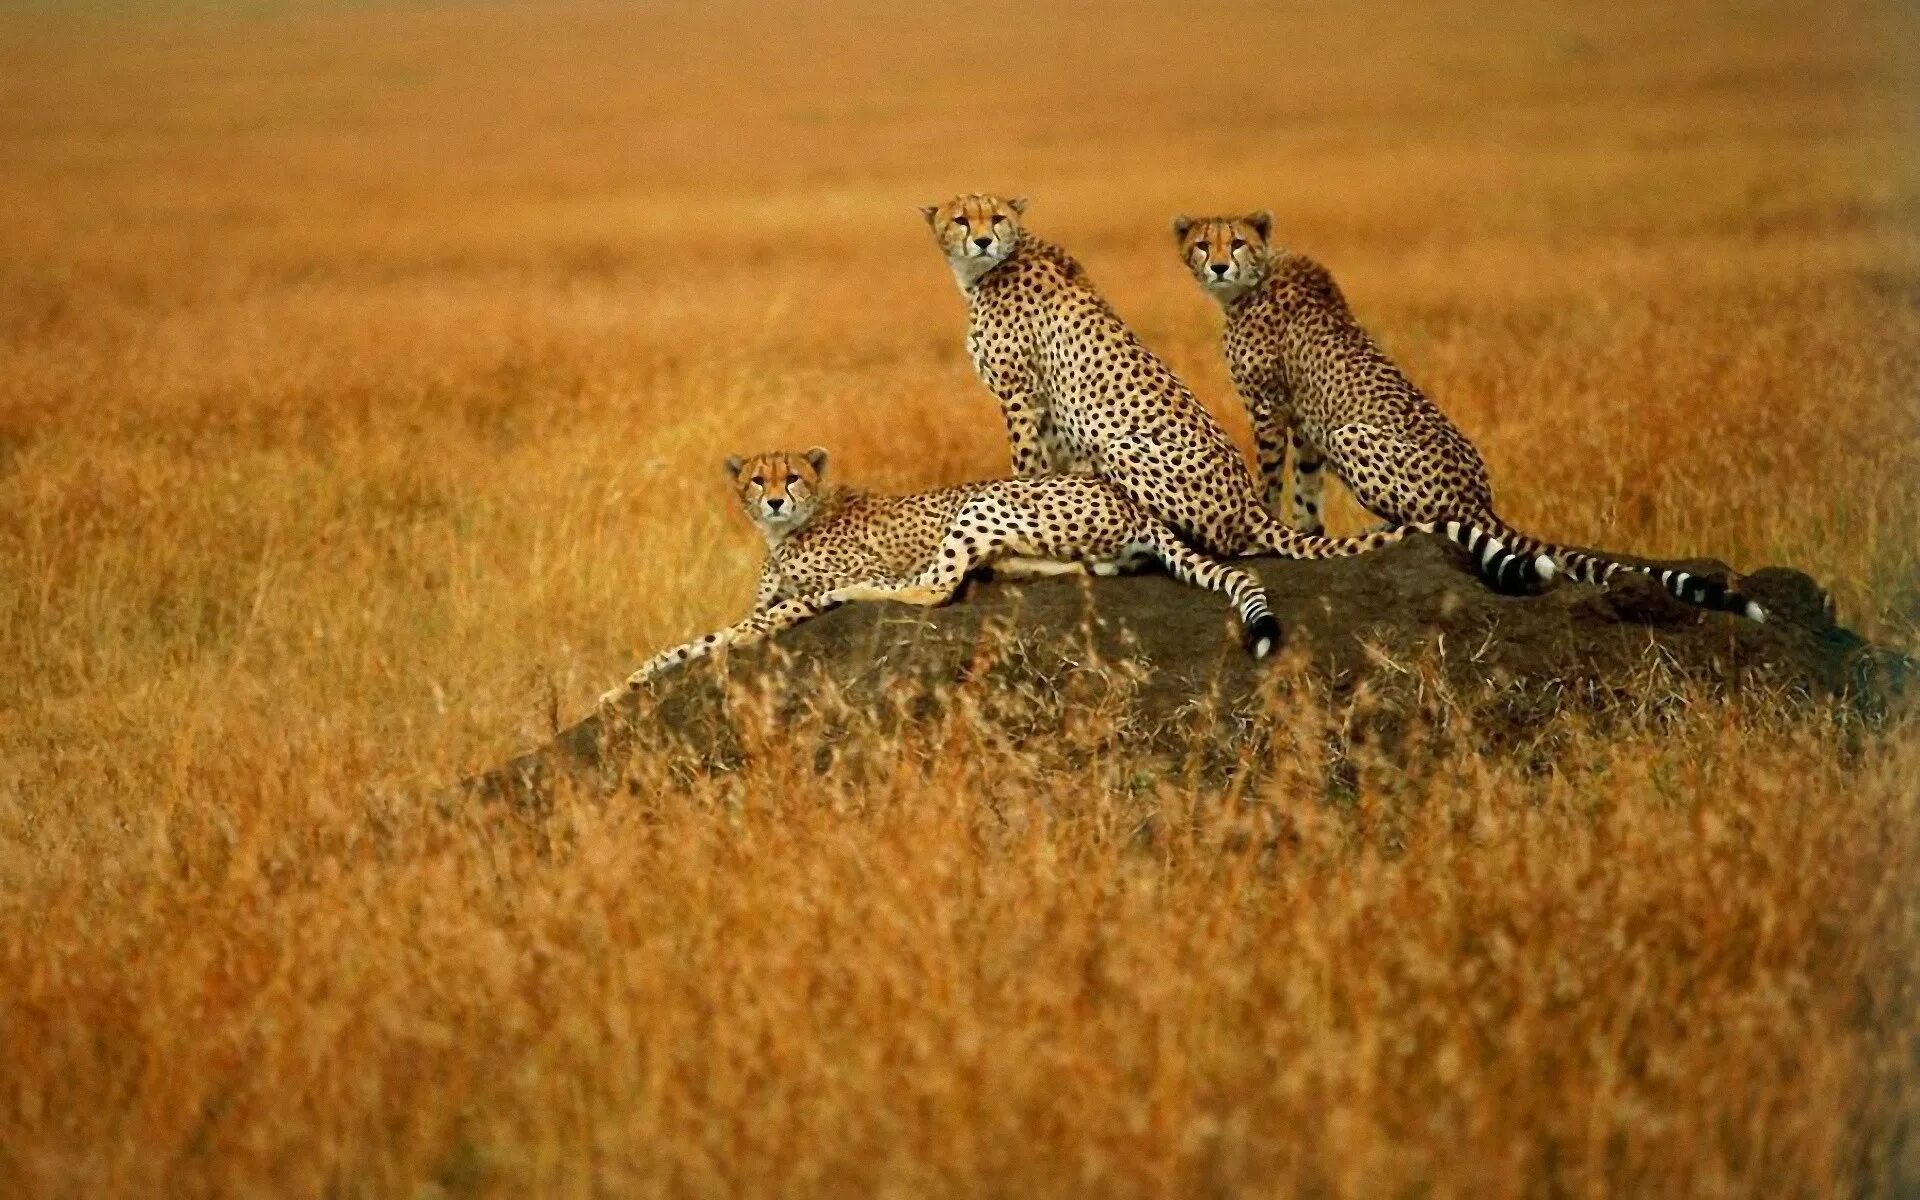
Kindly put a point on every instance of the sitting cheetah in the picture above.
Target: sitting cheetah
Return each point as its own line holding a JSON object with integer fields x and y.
{"x": 1310, "y": 375}
{"x": 1081, "y": 394}
{"x": 828, "y": 545}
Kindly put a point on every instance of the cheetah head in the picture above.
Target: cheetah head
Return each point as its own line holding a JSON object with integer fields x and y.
{"x": 1227, "y": 255}
{"x": 975, "y": 232}
{"x": 779, "y": 490}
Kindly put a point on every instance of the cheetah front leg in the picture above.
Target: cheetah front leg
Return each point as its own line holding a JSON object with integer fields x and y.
{"x": 1027, "y": 439}
{"x": 1270, "y": 447}
{"x": 763, "y": 624}
{"x": 767, "y": 590}
{"x": 1270, "y": 409}
{"x": 929, "y": 589}
{"x": 1309, "y": 482}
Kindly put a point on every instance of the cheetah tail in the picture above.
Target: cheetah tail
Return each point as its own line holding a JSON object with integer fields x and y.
{"x": 1498, "y": 547}
{"x": 1509, "y": 561}
{"x": 1275, "y": 538}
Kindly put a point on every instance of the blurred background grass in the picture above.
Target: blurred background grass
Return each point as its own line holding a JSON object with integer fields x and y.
{"x": 365, "y": 372}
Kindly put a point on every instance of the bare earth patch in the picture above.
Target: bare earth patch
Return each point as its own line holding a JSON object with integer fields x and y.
{"x": 1160, "y": 653}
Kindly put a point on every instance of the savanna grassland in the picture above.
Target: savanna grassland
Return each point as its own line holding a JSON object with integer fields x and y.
{"x": 365, "y": 374}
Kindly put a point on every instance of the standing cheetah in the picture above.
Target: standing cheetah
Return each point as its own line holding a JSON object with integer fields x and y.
{"x": 1310, "y": 375}
{"x": 829, "y": 545}
{"x": 1081, "y": 394}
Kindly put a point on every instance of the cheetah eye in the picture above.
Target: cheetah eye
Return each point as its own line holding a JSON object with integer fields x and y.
{"x": 1202, "y": 247}
{"x": 792, "y": 479}
{"x": 998, "y": 219}
{"x": 960, "y": 219}
{"x": 759, "y": 481}
{"x": 1239, "y": 243}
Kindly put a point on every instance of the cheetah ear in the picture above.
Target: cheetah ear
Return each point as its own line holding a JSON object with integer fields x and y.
{"x": 734, "y": 463}
{"x": 1181, "y": 224}
{"x": 816, "y": 458}
{"x": 1019, "y": 206}
{"x": 931, "y": 212}
{"x": 1262, "y": 223}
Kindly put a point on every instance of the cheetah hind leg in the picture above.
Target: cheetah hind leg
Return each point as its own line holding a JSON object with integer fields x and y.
{"x": 981, "y": 535}
{"x": 1020, "y": 567}
{"x": 968, "y": 546}
{"x": 1133, "y": 557}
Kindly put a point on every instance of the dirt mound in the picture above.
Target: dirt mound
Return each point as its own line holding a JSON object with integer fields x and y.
{"x": 1395, "y": 618}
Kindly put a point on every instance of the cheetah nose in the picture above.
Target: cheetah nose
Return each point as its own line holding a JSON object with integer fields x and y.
{"x": 774, "y": 503}
{"x": 983, "y": 242}
{"x": 1219, "y": 269}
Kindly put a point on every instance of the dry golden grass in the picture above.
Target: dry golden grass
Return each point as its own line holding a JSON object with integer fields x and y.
{"x": 363, "y": 380}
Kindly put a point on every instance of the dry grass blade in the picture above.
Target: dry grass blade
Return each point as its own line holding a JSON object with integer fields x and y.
{"x": 364, "y": 376}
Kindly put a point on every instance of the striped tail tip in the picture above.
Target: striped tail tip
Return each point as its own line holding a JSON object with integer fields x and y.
{"x": 1546, "y": 568}
{"x": 1711, "y": 593}
{"x": 1262, "y": 635}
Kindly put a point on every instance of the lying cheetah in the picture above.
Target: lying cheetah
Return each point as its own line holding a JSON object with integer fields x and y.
{"x": 1081, "y": 394}
{"x": 829, "y": 545}
{"x": 1311, "y": 376}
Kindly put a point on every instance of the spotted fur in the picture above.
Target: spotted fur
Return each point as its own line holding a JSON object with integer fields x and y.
{"x": 1313, "y": 380}
{"x": 830, "y": 545}
{"x": 1081, "y": 394}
